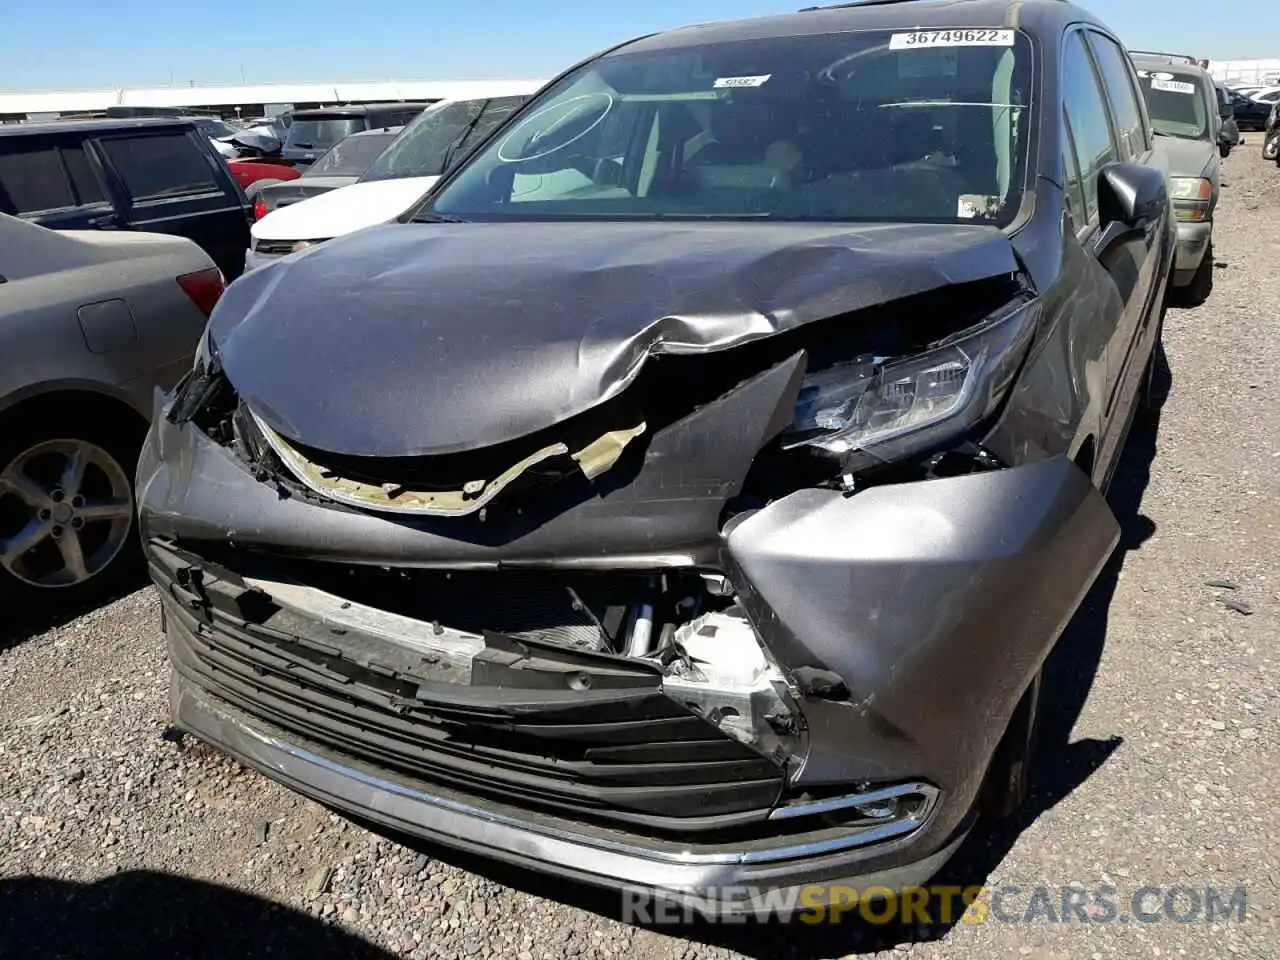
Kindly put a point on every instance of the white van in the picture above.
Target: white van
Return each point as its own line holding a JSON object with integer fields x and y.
{"x": 403, "y": 172}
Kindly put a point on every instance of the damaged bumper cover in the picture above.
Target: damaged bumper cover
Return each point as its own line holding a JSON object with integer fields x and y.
{"x": 1193, "y": 241}
{"x": 896, "y": 629}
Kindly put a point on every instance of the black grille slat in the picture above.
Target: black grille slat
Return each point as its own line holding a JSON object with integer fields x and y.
{"x": 472, "y": 777}
{"x": 390, "y": 724}
{"x": 638, "y": 758}
{"x": 693, "y": 751}
{"x": 391, "y": 727}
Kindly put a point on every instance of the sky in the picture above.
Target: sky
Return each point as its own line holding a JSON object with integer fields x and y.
{"x": 155, "y": 42}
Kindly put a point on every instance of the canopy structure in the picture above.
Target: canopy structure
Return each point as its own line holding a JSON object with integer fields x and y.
{"x": 249, "y": 99}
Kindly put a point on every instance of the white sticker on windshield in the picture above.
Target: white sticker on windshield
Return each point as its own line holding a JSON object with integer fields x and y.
{"x": 951, "y": 38}
{"x": 1173, "y": 86}
{"x": 722, "y": 82}
{"x": 972, "y": 205}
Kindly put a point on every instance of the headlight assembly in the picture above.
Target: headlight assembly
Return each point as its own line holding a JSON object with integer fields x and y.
{"x": 1191, "y": 197}
{"x": 1190, "y": 188}
{"x": 194, "y": 390}
{"x": 877, "y": 409}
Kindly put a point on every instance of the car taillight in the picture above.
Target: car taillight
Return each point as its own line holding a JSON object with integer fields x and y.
{"x": 259, "y": 209}
{"x": 204, "y": 287}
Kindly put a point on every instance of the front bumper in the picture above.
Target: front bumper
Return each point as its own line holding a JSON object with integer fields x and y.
{"x": 719, "y": 880}
{"x": 252, "y": 261}
{"x": 1193, "y": 241}
{"x": 911, "y": 618}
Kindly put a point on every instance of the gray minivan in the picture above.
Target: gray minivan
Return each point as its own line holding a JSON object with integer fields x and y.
{"x": 1186, "y": 119}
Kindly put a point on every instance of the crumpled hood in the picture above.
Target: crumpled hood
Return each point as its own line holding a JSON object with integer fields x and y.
{"x": 416, "y": 339}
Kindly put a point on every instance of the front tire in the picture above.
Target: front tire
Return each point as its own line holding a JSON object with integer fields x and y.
{"x": 68, "y": 530}
{"x": 1008, "y": 781}
{"x": 1151, "y": 392}
{"x": 1271, "y": 146}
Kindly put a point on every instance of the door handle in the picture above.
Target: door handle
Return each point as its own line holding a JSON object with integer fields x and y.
{"x": 107, "y": 221}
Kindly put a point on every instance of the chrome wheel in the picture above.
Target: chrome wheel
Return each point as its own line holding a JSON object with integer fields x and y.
{"x": 66, "y": 510}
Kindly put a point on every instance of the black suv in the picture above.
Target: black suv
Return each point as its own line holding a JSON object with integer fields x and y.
{"x": 312, "y": 132}
{"x": 688, "y": 493}
{"x": 161, "y": 176}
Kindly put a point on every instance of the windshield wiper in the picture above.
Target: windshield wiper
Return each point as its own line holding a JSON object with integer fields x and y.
{"x": 426, "y": 216}
{"x": 461, "y": 138}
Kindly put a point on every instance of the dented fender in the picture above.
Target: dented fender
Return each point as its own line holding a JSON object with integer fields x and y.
{"x": 893, "y": 605}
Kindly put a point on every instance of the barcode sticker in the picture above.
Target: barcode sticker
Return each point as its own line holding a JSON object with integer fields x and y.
{"x": 1173, "y": 86}
{"x": 723, "y": 82}
{"x": 951, "y": 38}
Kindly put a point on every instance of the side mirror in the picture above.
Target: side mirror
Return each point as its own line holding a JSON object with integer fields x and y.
{"x": 1131, "y": 194}
{"x": 1226, "y": 109}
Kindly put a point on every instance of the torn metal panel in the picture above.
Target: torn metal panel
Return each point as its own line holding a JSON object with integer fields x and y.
{"x": 436, "y": 362}
{"x": 594, "y": 459}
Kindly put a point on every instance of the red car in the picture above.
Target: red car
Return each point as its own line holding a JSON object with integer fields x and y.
{"x": 251, "y": 170}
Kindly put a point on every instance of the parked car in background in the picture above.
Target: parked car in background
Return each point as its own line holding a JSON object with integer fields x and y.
{"x": 312, "y": 132}
{"x": 341, "y": 166}
{"x": 91, "y": 323}
{"x": 156, "y": 175}
{"x": 1229, "y": 131}
{"x": 405, "y": 170}
{"x": 258, "y": 157}
{"x": 250, "y": 170}
{"x": 1182, "y": 101}
{"x": 1250, "y": 114}
{"x": 688, "y": 491}
{"x": 1271, "y": 142}
{"x": 217, "y": 131}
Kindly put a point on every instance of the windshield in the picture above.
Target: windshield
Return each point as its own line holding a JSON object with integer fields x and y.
{"x": 217, "y": 128}
{"x": 351, "y": 157}
{"x": 1175, "y": 103}
{"x": 321, "y": 133}
{"x": 446, "y": 131}
{"x": 911, "y": 126}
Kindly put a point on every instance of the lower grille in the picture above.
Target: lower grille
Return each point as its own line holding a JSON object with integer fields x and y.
{"x": 625, "y": 755}
{"x": 274, "y": 248}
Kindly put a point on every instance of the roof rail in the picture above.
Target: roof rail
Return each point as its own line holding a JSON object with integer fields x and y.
{"x": 1169, "y": 57}
{"x": 854, "y": 3}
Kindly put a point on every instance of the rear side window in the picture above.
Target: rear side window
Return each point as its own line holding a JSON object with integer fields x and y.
{"x": 1114, "y": 64}
{"x": 32, "y": 180}
{"x": 400, "y": 117}
{"x": 83, "y": 180}
{"x": 161, "y": 166}
{"x": 1087, "y": 117}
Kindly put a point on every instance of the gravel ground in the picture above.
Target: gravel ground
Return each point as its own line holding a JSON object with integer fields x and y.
{"x": 1159, "y": 767}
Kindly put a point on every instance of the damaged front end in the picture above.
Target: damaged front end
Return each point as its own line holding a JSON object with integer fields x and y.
{"x": 758, "y": 616}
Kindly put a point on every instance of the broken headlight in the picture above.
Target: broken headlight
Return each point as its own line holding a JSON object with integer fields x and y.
{"x": 195, "y": 389}
{"x": 880, "y": 409}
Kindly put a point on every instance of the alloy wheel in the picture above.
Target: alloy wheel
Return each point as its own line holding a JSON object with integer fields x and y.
{"x": 66, "y": 510}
